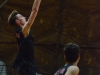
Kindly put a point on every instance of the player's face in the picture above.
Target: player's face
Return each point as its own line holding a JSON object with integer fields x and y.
{"x": 21, "y": 18}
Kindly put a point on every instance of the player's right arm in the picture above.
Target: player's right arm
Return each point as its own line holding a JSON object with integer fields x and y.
{"x": 31, "y": 18}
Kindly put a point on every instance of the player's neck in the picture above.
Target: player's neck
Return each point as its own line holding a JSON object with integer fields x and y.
{"x": 75, "y": 63}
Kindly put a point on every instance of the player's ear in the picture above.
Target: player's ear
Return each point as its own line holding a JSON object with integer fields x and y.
{"x": 17, "y": 21}
{"x": 79, "y": 56}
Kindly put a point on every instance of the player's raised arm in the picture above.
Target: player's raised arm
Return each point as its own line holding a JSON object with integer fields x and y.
{"x": 28, "y": 24}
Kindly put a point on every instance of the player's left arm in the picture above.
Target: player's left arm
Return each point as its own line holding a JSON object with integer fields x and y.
{"x": 72, "y": 70}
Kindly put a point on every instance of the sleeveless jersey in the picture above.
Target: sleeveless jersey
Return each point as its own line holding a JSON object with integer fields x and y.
{"x": 62, "y": 70}
{"x": 26, "y": 49}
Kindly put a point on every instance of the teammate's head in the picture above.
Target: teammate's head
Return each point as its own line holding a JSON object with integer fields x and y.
{"x": 71, "y": 52}
{"x": 16, "y": 19}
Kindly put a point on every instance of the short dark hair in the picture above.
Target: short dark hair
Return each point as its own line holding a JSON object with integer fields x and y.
{"x": 12, "y": 17}
{"x": 71, "y": 52}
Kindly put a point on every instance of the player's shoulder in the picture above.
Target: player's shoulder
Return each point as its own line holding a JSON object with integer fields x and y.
{"x": 73, "y": 68}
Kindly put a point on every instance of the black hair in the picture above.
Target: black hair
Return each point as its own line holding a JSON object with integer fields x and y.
{"x": 71, "y": 52}
{"x": 12, "y": 17}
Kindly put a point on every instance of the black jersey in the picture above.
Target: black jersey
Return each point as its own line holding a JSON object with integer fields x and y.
{"x": 26, "y": 49}
{"x": 62, "y": 70}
